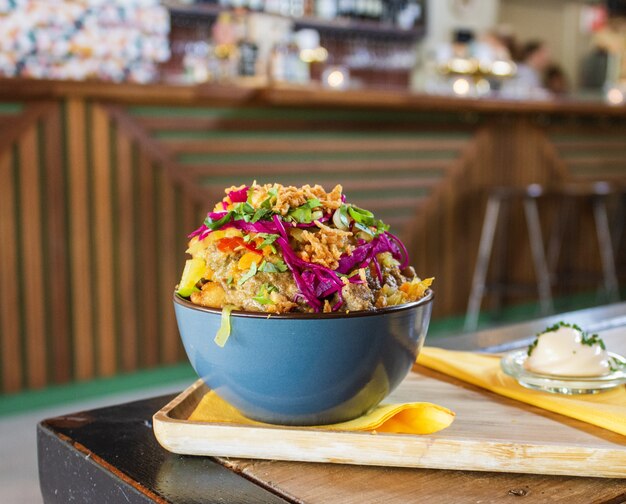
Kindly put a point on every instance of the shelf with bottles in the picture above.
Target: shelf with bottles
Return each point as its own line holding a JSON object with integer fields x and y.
{"x": 212, "y": 42}
{"x": 399, "y": 19}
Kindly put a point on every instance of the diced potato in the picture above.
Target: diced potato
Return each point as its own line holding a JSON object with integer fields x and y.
{"x": 212, "y": 295}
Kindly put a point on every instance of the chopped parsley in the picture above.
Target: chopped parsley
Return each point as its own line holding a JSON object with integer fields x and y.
{"x": 261, "y": 213}
{"x": 616, "y": 365}
{"x": 587, "y": 339}
{"x": 268, "y": 239}
{"x": 216, "y": 224}
{"x": 263, "y": 295}
{"x": 273, "y": 267}
{"x": 304, "y": 214}
{"x": 248, "y": 274}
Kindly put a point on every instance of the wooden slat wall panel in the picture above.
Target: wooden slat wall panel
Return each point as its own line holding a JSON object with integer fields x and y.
{"x": 80, "y": 237}
{"x": 123, "y": 187}
{"x": 168, "y": 272}
{"x": 157, "y": 123}
{"x": 106, "y": 322}
{"x": 10, "y": 327}
{"x": 32, "y": 261}
{"x": 90, "y": 236}
{"x": 57, "y": 243}
{"x": 127, "y": 294}
{"x": 313, "y": 145}
{"x": 596, "y": 156}
{"x": 147, "y": 267}
{"x": 588, "y": 156}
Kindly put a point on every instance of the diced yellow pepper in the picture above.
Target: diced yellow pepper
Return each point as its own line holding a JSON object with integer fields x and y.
{"x": 247, "y": 259}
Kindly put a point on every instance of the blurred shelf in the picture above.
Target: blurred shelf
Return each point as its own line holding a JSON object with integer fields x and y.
{"x": 202, "y": 11}
{"x": 359, "y": 27}
{"x": 346, "y": 26}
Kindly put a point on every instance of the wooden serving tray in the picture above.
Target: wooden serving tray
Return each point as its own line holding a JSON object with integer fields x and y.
{"x": 490, "y": 433}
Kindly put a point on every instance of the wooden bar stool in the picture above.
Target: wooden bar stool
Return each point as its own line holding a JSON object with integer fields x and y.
{"x": 573, "y": 198}
{"x": 499, "y": 202}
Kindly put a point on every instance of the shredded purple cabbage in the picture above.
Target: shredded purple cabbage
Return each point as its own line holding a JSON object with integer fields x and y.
{"x": 240, "y": 196}
{"x": 216, "y": 215}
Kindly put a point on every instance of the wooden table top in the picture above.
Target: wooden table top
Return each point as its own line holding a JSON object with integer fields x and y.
{"x": 111, "y": 455}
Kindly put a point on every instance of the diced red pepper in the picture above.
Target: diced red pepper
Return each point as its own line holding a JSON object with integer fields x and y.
{"x": 230, "y": 244}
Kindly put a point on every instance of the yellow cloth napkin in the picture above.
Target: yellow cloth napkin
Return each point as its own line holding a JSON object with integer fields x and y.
{"x": 408, "y": 418}
{"x": 606, "y": 409}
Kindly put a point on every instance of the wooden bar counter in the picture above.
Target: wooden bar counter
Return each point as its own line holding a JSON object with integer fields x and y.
{"x": 101, "y": 183}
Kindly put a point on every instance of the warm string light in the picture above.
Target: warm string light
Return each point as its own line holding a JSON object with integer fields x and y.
{"x": 615, "y": 96}
{"x": 336, "y": 78}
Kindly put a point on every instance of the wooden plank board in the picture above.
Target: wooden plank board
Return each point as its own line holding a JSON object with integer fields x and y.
{"x": 10, "y": 327}
{"x": 589, "y": 143}
{"x": 104, "y": 242}
{"x": 33, "y": 271}
{"x": 80, "y": 247}
{"x": 490, "y": 433}
{"x": 13, "y": 131}
{"x": 349, "y": 484}
{"x": 595, "y": 161}
{"x": 147, "y": 268}
{"x": 127, "y": 287}
{"x": 322, "y": 166}
{"x": 288, "y": 145}
{"x": 57, "y": 247}
{"x": 332, "y": 123}
{"x": 168, "y": 267}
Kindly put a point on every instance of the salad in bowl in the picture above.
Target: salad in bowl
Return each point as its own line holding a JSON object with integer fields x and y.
{"x": 298, "y": 307}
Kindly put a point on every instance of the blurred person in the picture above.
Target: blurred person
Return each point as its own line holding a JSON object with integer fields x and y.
{"x": 555, "y": 80}
{"x": 495, "y": 46}
{"x": 611, "y": 39}
{"x": 594, "y": 68}
{"x": 534, "y": 61}
{"x": 528, "y": 81}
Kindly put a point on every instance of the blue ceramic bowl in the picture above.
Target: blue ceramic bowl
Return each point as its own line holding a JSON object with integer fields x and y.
{"x": 305, "y": 369}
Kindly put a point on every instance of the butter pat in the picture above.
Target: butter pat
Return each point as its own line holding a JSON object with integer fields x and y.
{"x": 562, "y": 352}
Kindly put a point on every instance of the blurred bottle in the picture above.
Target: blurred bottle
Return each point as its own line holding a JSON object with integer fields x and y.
{"x": 248, "y": 54}
{"x": 286, "y": 64}
{"x": 256, "y": 5}
{"x": 345, "y": 8}
{"x": 309, "y": 7}
{"x": 360, "y": 9}
{"x": 326, "y": 9}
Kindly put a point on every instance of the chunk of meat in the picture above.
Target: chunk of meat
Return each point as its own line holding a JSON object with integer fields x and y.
{"x": 357, "y": 297}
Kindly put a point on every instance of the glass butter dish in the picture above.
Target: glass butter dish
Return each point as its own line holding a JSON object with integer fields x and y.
{"x": 513, "y": 365}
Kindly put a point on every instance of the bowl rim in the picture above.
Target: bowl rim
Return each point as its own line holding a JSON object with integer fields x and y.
{"x": 428, "y": 298}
